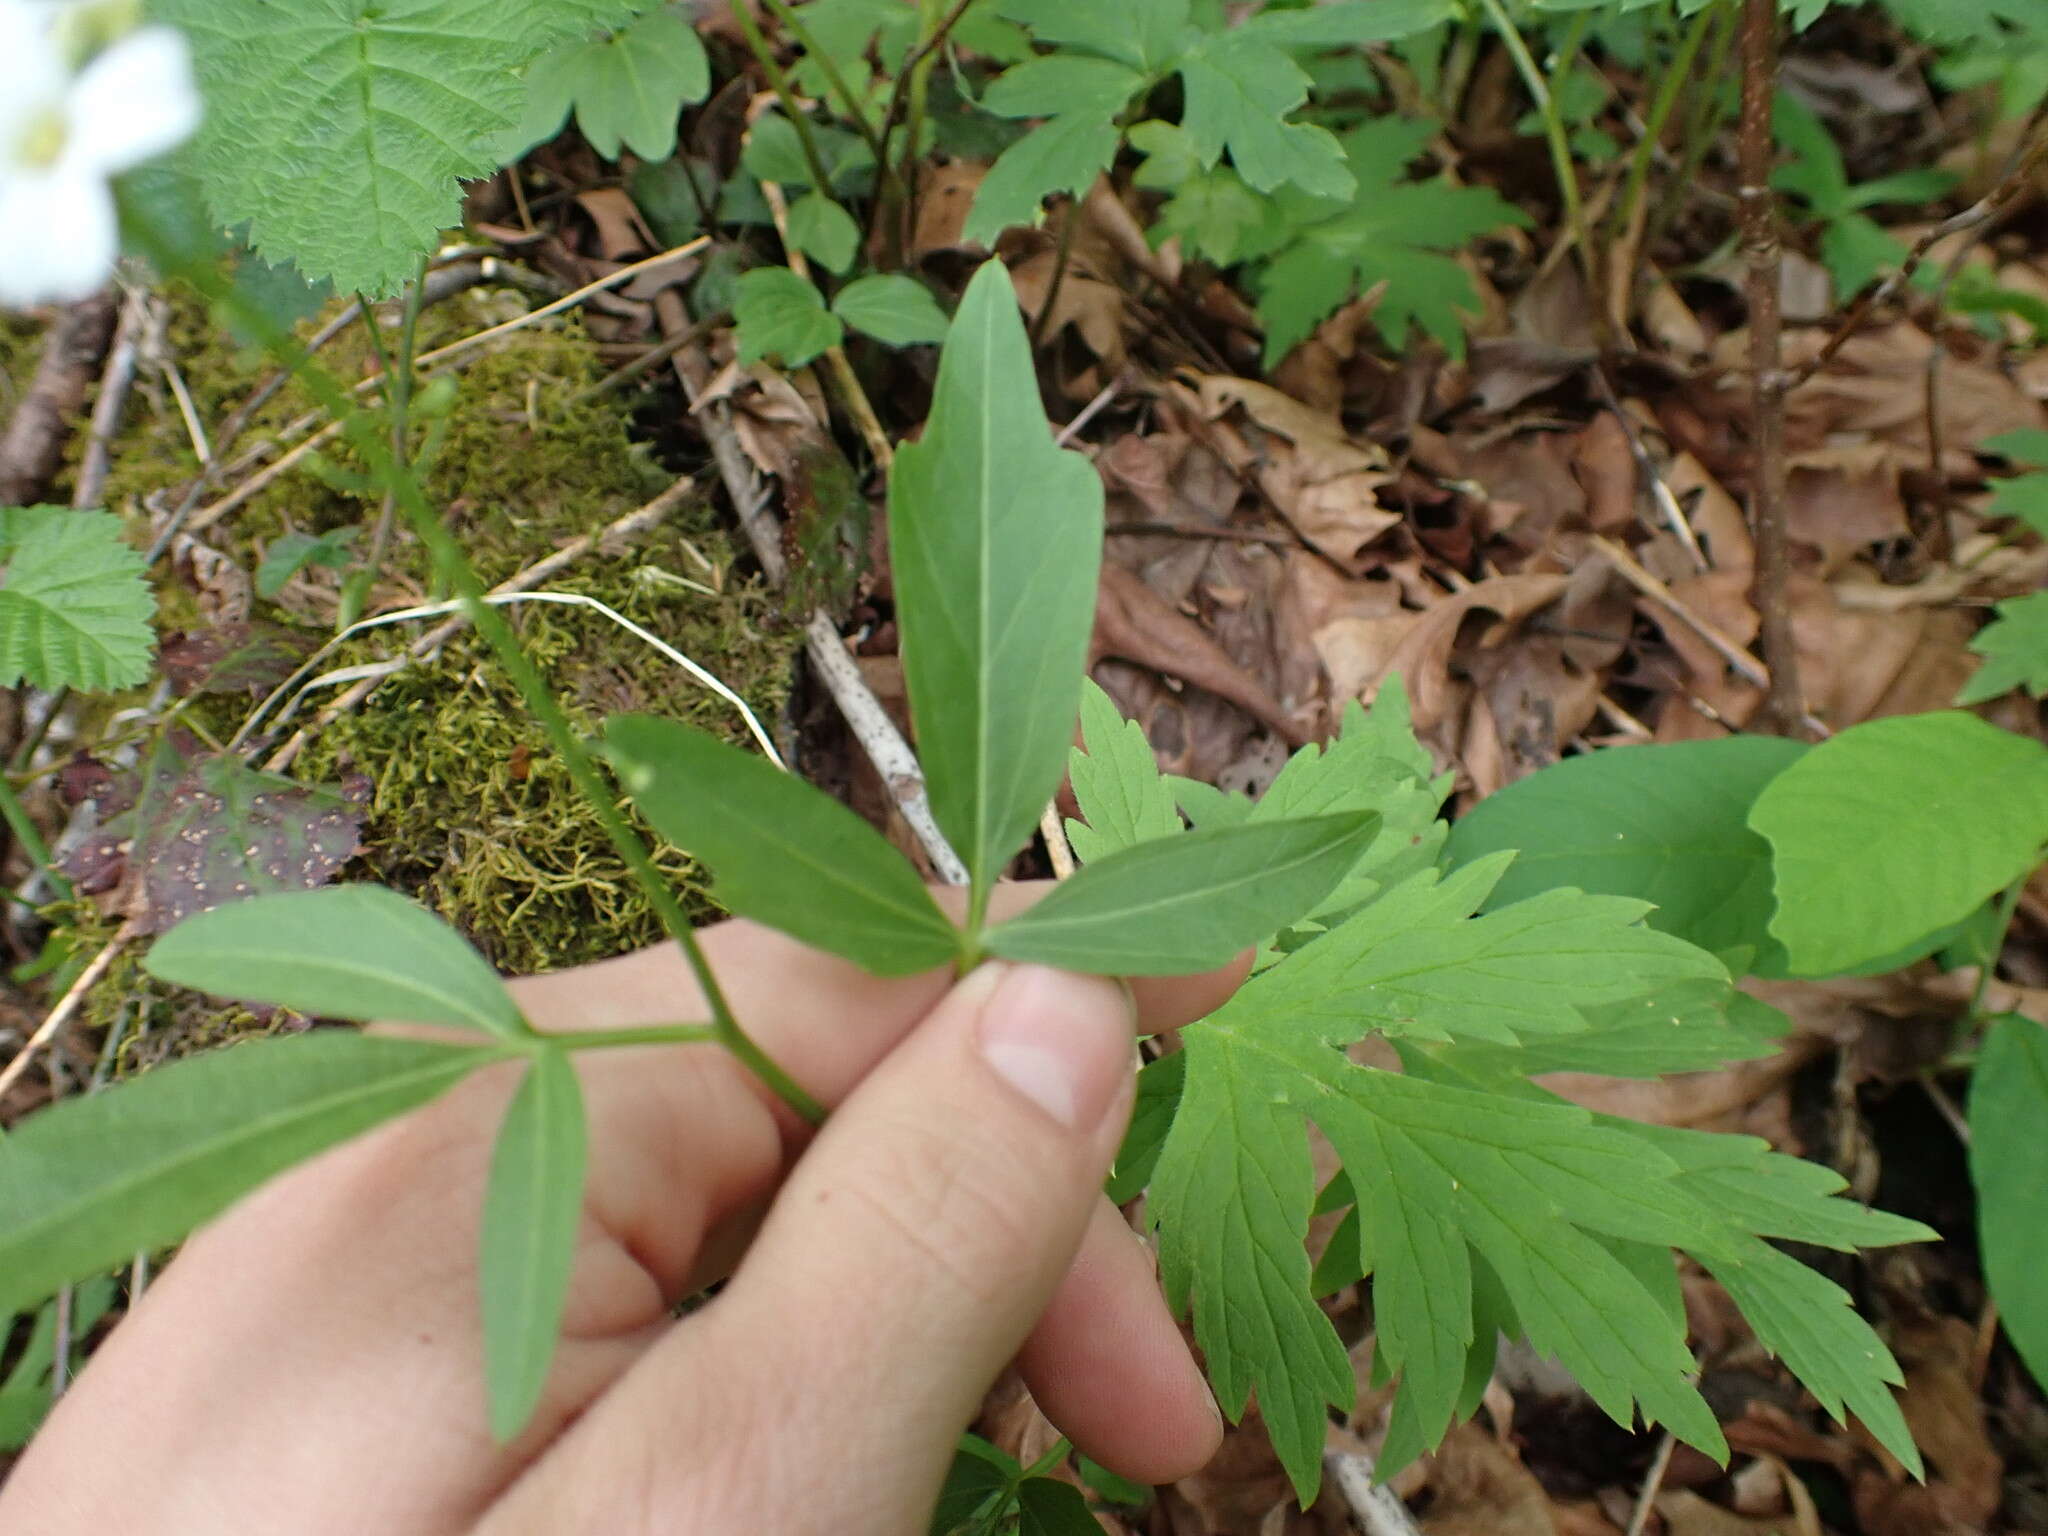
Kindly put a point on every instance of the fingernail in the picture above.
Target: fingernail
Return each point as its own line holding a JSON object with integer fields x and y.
{"x": 1062, "y": 1041}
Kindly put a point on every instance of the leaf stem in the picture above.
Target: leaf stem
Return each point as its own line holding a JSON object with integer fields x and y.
{"x": 489, "y": 622}
{"x": 1629, "y": 206}
{"x": 31, "y": 840}
{"x": 1553, "y": 133}
{"x": 855, "y": 112}
{"x": 2007, "y": 905}
{"x": 757, "y": 44}
{"x": 658, "y": 1034}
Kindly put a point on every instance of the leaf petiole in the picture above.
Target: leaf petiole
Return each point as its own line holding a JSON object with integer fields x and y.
{"x": 654, "y": 1034}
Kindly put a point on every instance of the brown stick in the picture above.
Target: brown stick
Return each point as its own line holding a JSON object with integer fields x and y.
{"x": 1784, "y": 707}
{"x": 1973, "y": 220}
{"x": 33, "y": 445}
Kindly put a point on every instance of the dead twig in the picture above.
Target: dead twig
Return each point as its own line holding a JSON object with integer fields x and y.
{"x": 1376, "y": 1507}
{"x": 1646, "y": 468}
{"x": 638, "y": 521}
{"x": 67, "y": 1005}
{"x": 1975, "y": 221}
{"x": 116, "y": 383}
{"x": 32, "y": 447}
{"x": 1653, "y": 1482}
{"x": 751, "y": 495}
{"x": 1785, "y": 705}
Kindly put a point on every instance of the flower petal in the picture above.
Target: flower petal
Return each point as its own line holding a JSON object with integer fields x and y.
{"x": 32, "y": 73}
{"x": 133, "y": 101}
{"x": 58, "y": 237}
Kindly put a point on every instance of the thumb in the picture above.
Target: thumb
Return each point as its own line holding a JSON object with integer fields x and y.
{"x": 920, "y": 1237}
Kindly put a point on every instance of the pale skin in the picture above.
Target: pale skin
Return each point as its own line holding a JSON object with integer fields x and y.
{"x": 312, "y": 1362}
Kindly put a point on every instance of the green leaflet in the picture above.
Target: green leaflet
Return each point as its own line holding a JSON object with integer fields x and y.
{"x": 90, "y": 1181}
{"x": 1117, "y": 782}
{"x": 1048, "y": 1507}
{"x": 784, "y": 853}
{"x": 27, "y": 1393}
{"x": 783, "y": 316}
{"x": 1187, "y": 903}
{"x": 347, "y": 952}
{"x": 1896, "y": 828}
{"x": 404, "y": 98}
{"x": 996, "y": 539}
{"x": 533, "y": 1206}
{"x": 2009, "y": 1165}
{"x": 75, "y": 609}
{"x": 1065, "y": 155}
{"x": 1239, "y": 92}
{"x": 823, "y": 230}
{"x": 1664, "y": 824}
{"x": 626, "y": 89}
{"x": 896, "y": 310}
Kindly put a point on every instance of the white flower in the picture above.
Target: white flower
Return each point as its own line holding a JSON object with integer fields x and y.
{"x": 64, "y": 131}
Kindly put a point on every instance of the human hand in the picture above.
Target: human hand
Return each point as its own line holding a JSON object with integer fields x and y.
{"x": 312, "y": 1362}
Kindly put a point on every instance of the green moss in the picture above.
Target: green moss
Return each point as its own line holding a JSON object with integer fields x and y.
{"x": 470, "y": 810}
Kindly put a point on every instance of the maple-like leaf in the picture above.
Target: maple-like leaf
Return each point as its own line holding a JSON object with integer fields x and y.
{"x": 2015, "y": 650}
{"x": 1394, "y": 231}
{"x": 625, "y": 88}
{"x": 74, "y": 607}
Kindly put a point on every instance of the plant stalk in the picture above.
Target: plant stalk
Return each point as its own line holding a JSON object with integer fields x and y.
{"x": 1554, "y": 134}
{"x": 605, "y": 1039}
{"x": 1628, "y": 208}
{"x": 778, "y": 81}
{"x": 1784, "y": 707}
{"x": 31, "y": 840}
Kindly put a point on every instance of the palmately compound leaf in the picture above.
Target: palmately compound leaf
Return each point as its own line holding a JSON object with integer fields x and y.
{"x": 92, "y": 1180}
{"x": 783, "y": 316}
{"x": 2015, "y": 650}
{"x": 996, "y": 542}
{"x": 1896, "y": 828}
{"x": 1239, "y": 92}
{"x": 896, "y": 310}
{"x": 1664, "y": 824}
{"x": 626, "y": 89}
{"x": 402, "y": 98}
{"x": 1175, "y": 905}
{"x": 75, "y": 610}
{"x": 533, "y": 1205}
{"x": 1117, "y": 783}
{"x": 348, "y": 952}
{"x": 784, "y": 853}
{"x": 2009, "y": 1166}
{"x": 1394, "y": 231}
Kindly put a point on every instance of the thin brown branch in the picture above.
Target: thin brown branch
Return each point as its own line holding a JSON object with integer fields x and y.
{"x": 1974, "y": 221}
{"x": 32, "y": 447}
{"x": 1785, "y": 706}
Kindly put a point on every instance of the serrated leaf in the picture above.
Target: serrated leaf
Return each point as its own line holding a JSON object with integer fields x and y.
{"x": 2015, "y": 650}
{"x": 823, "y": 230}
{"x": 996, "y": 541}
{"x": 1663, "y": 824}
{"x": 1145, "y": 34}
{"x": 533, "y": 1205}
{"x": 1117, "y": 782}
{"x": 2024, "y": 497}
{"x": 1393, "y": 231}
{"x": 1691, "y": 1026}
{"x": 896, "y": 310}
{"x": 783, "y": 316}
{"x": 1152, "y": 1111}
{"x": 348, "y": 952}
{"x": 2009, "y": 1166}
{"x": 1239, "y": 92}
{"x": 92, "y": 1180}
{"x": 1187, "y": 903}
{"x": 1064, "y": 155}
{"x": 75, "y": 609}
{"x": 1346, "y": 22}
{"x": 626, "y": 89}
{"x": 1062, "y": 83}
{"x": 784, "y": 853}
{"x": 1895, "y": 828}
{"x": 1411, "y": 963}
{"x": 404, "y": 98}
